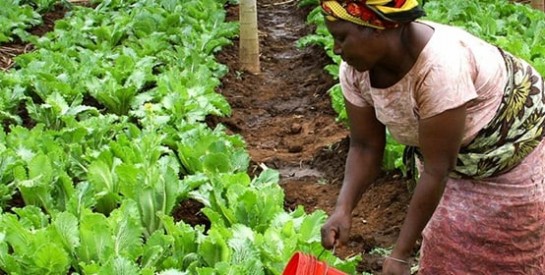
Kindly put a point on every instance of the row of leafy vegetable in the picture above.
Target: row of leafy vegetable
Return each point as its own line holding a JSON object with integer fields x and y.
{"x": 18, "y": 16}
{"x": 513, "y": 26}
{"x": 104, "y": 135}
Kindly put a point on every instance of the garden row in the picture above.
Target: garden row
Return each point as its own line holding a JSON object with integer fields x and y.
{"x": 17, "y": 16}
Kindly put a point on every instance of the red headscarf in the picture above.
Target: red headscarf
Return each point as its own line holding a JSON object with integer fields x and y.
{"x": 378, "y": 14}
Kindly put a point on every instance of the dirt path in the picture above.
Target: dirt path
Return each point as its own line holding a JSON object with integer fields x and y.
{"x": 285, "y": 116}
{"x": 284, "y": 113}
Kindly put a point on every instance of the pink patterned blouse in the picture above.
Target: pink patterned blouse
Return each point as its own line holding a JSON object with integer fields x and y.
{"x": 445, "y": 76}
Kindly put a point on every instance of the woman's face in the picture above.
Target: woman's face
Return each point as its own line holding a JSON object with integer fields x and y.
{"x": 358, "y": 46}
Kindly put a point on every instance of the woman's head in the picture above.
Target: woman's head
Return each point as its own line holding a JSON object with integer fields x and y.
{"x": 364, "y": 31}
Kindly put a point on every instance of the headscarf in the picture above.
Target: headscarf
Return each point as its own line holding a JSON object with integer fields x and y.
{"x": 378, "y": 14}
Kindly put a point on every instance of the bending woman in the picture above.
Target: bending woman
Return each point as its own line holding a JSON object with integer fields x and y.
{"x": 472, "y": 115}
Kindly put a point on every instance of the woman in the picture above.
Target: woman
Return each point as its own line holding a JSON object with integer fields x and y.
{"x": 474, "y": 117}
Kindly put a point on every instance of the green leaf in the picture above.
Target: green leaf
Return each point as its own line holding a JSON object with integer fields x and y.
{"x": 16, "y": 233}
{"x": 127, "y": 231}
{"x": 184, "y": 238}
{"x": 105, "y": 182}
{"x": 245, "y": 253}
{"x": 49, "y": 258}
{"x": 217, "y": 163}
{"x": 40, "y": 167}
{"x": 310, "y": 228}
{"x": 66, "y": 226}
{"x": 155, "y": 248}
{"x": 120, "y": 266}
{"x": 97, "y": 244}
{"x": 32, "y": 216}
{"x": 83, "y": 198}
{"x": 266, "y": 178}
{"x": 214, "y": 248}
{"x": 36, "y": 187}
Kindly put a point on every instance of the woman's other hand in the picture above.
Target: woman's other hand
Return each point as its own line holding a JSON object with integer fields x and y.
{"x": 336, "y": 230}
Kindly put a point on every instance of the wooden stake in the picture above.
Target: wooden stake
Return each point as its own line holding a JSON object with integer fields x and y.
{"x": 249, "y": 40}
{"x": 538, "y": 4}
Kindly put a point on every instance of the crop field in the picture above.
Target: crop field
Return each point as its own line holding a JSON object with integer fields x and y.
{"x": 133, "y": 143}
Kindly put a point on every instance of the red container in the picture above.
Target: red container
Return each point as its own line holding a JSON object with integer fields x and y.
{"x": 302, "y": 264}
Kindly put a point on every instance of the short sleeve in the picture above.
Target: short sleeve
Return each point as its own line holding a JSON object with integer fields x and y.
{"x": 447, "y": 84}
{"x": 351, "y": 85}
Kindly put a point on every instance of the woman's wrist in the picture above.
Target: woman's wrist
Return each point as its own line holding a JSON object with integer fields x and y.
{"x": 398, "y": 260}
{"x": 343, "y": 209}
{"x": 400, "y": 253}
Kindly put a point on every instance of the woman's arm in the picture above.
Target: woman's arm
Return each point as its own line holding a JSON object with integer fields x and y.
{"x": 363, "y": 164}
{"x": 364, "y": 160}
{"x": 440, "y": 139}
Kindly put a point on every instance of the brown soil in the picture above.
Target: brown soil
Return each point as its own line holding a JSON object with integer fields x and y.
{"x": 285, "y": 116}
{"x": 286, "y": 119}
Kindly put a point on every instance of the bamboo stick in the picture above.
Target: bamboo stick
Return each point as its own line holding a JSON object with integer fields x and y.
{"x": 249, "y": 39}
{"x": 538, "y": 4}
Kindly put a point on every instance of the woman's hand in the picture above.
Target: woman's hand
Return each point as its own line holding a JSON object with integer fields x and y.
{"x": 336, "y": 230}
{"x": 392, "y": 267}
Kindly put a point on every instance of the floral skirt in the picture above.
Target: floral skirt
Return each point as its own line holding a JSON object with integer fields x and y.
{"x": 492, "y": 226}
{"x": 496, "y": 224}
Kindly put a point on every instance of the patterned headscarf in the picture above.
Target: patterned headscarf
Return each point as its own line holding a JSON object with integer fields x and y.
{"x": 378, "y": 14}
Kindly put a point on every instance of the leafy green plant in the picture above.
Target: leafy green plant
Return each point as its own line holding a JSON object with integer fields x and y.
{"x": 211, "y": 151}
{"x": 39, "y": 168}
{"x": 55, "y": 111}
{"x": 15, "y": 19}
{"x": 118, "y": 86}
{"x": 36, "y": 249}
{"x": 45, "y": 5}
{"x": 514, "y": 27}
